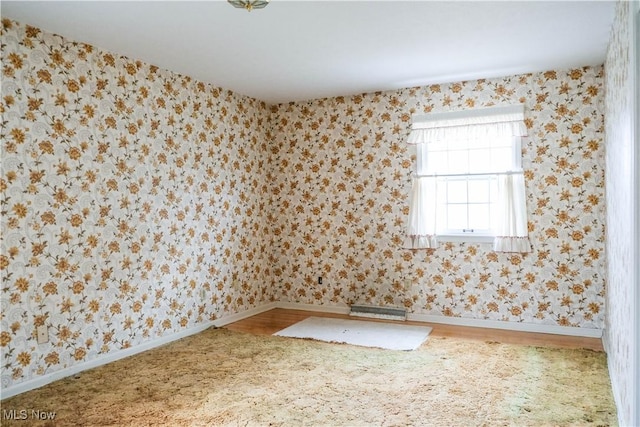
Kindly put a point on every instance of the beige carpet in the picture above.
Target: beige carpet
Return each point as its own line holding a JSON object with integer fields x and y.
{"x": 221, "y": 377}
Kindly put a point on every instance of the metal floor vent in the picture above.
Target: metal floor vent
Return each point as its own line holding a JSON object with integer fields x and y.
{"x": 378, "y": 312}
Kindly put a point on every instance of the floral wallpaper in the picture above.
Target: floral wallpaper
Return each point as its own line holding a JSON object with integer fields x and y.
{"x": 131, "y": 202}
{"x": 137, "y": 203}
{"x": 620, "y": 337}
{"x": 342, "y": 181}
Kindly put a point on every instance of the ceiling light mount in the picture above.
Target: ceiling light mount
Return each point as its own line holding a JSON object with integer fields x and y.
{"x": 249, "y": 4}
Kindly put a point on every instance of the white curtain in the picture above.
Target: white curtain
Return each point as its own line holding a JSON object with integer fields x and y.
{"x": 512, "y": 232}
{"x": 421, "y": 228}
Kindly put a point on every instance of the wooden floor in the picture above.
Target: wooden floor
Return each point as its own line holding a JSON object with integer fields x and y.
{"x": 274, "y": 320}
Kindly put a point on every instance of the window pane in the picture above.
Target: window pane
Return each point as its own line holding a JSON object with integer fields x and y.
{"x": 479, "y": 217}
{"x": 493, "y": 188}
{"x": 502, "y": 159}
{"x": 458, "y": 161}
{"x": 479, "y": 161}
{"x": 437, "y": 162}
{"x": 479, "y": 191}
{"x": 457, "y": 217}
{"x": 494, "y": 217}
{"x": 457, "y": 191}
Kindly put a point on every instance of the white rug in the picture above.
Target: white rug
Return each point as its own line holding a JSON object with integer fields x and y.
{"x": 390, "y": 336}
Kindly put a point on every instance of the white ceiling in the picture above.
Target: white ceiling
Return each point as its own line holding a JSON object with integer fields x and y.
{"x": 300, "y": 50}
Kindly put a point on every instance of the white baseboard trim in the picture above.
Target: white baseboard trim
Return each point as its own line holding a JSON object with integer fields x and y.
{"x": 460, "y": 321}
{"x": 509, "y": 326}
{"x": 333, "y": 309}
{"x": 120, "y": 354}
{"x": 248, "y": 313}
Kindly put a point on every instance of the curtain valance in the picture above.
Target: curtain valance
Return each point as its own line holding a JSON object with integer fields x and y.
{"x": 468, "y": 124}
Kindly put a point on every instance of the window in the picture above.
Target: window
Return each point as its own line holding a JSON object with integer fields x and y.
{"x": 466, "y": 173}
{"x": 468, "y": 170}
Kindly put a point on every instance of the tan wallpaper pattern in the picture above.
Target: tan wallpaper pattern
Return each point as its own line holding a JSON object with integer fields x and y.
{"x": 342, "y": 186}
{"x": 131, "y": 202}
{"x": 137, "y": 203}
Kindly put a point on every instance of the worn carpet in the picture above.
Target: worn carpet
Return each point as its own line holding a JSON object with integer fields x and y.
{"x": 226, "y": 378}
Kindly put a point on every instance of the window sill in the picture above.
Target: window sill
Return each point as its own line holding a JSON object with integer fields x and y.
{"x": 465, "y": 239}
